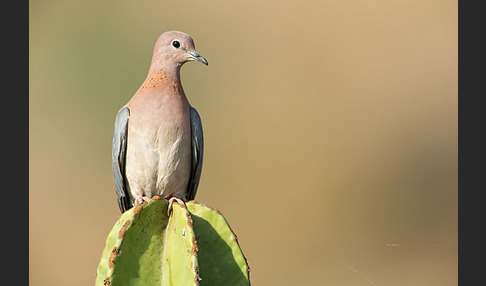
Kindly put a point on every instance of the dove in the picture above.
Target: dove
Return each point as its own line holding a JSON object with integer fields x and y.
{"x": 158, "y": 137}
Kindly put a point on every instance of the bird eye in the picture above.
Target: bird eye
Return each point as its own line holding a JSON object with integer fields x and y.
{"x": 176, "y": 44}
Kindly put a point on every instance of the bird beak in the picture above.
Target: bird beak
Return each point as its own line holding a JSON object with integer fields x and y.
{"x": 195, "y": 56}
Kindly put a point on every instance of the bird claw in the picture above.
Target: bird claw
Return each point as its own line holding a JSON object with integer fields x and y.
{"x": 140, "y": 199}
{"x": 171, "y": 201}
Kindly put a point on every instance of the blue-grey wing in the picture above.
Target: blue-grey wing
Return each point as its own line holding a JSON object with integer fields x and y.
{"x": 197, "y": 150}
{"x": 119, "y": 157}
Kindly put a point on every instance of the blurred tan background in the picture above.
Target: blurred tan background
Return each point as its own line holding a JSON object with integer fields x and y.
{"x": 330, "y": 132}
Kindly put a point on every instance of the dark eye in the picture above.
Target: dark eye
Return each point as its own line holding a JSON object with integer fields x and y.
{"x": 176, "y": 44}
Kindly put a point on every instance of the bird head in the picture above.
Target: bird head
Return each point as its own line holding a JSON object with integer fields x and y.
{"x": 173, "y": 49}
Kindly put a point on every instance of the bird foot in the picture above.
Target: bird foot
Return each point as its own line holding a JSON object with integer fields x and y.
{"x": 140, "y": 199}
{"x": 171, "y": 201}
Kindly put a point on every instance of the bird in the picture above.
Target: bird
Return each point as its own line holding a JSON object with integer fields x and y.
{"x": 158, "y": 139}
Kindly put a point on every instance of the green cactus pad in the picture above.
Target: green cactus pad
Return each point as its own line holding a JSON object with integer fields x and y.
{"x": 133, "y": 249}
{"x": 145, "y": 247}
{"x": 180, "y": 265}
{"x": 221, "y": 261}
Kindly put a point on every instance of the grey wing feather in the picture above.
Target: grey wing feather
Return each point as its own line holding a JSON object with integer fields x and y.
{"x": 118, "y": 158}
{"x": 197, "y": 150}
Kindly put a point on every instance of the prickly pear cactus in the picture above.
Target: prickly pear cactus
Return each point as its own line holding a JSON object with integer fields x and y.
{"x": 195, "y": 246}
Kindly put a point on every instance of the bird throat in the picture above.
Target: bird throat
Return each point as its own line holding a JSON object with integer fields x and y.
{"x": 159, "y": 79}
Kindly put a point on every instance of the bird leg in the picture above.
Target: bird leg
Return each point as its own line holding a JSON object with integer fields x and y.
{"x": 171, "y": 201}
